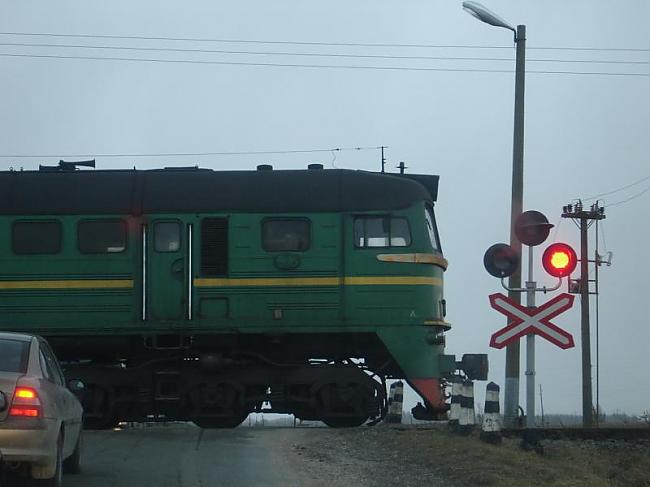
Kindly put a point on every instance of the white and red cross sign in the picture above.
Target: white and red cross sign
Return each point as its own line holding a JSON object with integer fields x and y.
{"x": 531, "y": 320}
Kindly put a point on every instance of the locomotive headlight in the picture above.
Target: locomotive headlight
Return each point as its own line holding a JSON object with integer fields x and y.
{"x": 435, "y": 338}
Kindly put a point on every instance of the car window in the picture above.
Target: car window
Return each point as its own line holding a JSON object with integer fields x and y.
{"x": 52, "y": 366}
{"x": 13, "y": 355}
{"x": 45, "y": 368}
{"x": 57, "y": 365}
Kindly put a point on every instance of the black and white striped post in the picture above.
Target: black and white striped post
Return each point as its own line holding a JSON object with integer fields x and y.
{"x": 454, "y": 407}
{"x": 395, "y": 400}
{"x": 3, "y": 479}
{"x": 491, "y": 426}
{"x": 467, "y": 417}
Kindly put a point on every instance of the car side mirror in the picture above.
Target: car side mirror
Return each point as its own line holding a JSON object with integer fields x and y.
{"x": 3, "y": 401}
{"x": 76, "y": 386}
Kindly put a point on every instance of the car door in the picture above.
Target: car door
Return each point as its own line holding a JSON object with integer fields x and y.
{"x": 67, "y": 405}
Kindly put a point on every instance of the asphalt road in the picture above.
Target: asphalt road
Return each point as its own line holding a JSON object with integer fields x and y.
{"x": 182, "y": 455}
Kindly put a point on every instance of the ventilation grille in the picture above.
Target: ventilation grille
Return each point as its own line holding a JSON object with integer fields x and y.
{"x": 214, "y": 247}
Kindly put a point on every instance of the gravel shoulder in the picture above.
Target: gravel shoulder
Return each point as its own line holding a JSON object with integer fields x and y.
{"x": 385, "y": 456}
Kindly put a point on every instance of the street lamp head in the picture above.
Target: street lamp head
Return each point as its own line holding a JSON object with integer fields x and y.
{"x": 485, "y": 15}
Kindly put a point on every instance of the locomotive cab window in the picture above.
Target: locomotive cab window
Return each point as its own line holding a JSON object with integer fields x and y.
{"x": 382, "y": 231}
{"x": 286, "y": 235}
{"x": 36, "y": 237}
{"x": 167, "y": 236}
{"x": 101, "y": 236}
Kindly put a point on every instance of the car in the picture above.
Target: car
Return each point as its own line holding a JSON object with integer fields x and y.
{"x": 40, "y": 415}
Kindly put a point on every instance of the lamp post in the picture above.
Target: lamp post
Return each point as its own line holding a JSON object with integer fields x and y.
{"x": 511, "y": 393}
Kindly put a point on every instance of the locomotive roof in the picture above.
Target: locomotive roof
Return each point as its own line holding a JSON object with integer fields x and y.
{"x": 200, "y": 190}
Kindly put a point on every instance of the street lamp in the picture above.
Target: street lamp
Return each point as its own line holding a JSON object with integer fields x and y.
{"x": 511, "y": 393}
{"x": 484, "y": 15}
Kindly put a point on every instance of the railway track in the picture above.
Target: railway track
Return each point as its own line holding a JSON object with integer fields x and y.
{"x": 601, "y": 434}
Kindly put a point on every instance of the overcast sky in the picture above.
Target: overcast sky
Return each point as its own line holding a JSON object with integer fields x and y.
{"x": 585, "y": 134}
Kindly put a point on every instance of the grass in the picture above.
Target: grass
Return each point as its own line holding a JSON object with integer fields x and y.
{"x": 562, "y": 463}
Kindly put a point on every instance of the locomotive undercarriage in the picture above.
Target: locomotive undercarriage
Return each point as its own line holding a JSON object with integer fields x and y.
{"x": 218, "y": 387}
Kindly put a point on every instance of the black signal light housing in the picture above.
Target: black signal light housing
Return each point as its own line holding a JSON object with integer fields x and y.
{"x": 501, "y": 260}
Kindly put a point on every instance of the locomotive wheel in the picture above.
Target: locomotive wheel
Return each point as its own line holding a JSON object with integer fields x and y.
{"x": 222, "y": 422}
{"x": 97, "y": 399}
{"x": 218, "y": 406}
{"x": 102, "y": 423}
{"x": 345, "y": 421}
{"x": 344, "y": 405}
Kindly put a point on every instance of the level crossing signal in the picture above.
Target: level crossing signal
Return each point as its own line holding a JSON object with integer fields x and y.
{"x": 532, "y": 228}
{"x": 559, "y": 260}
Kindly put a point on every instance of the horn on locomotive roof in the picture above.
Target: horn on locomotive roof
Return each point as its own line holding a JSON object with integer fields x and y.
{"x": 67, "y": 165}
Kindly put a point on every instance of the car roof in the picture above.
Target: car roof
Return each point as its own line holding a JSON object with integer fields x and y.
{"x": 23, "y": 337}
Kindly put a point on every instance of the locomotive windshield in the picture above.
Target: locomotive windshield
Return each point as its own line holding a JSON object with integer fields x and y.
{"x": 381, "y": 231}
{"x": 431, "y": 228}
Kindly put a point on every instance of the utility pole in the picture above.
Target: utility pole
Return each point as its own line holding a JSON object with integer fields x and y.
{"x": 586, "y": 218}
{"x": 511, "y": 393}
{"x": 383, "y": 159}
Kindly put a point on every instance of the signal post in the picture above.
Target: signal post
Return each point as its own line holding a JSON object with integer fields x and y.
{"x": 559, "y": 260}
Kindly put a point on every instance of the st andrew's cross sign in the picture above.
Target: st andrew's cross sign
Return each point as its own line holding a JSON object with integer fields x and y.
{"x": 536, "y": 320}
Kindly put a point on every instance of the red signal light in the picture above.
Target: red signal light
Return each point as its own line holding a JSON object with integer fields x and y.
{"x": 559, "y": 260}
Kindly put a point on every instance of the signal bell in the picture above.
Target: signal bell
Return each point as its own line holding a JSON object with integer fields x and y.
{"x": 559, "y": 260}
{"x": 532, "y": 228}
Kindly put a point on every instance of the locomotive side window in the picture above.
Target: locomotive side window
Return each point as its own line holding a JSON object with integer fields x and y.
{"x": 101, "y": 236}
{"x": 214, "y": 247}
{"x": 36, "y": 237}
{"x": 383, "y": 231}
{"x": 431, "y": 228}
{"x": 286, "y": 235}
{"x": 167, "y": 236}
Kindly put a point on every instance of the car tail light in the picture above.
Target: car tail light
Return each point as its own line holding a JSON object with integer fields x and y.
{"x": 26, "y": 403}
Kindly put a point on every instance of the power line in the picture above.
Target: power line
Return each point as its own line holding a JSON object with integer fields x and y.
{"x": 251, "y": 41}
{"x": 317, "y": 43}
{"x": 265, "y": 53}
{"x": 322, "y": 66}
{"x": 633, "y": 197}
{"x": 259, "y": 64}
{"x": 591, "y": 49}
{"x": 639, "y": 181}
{"x": 193, "y": 154}
{"x": 313, "y": 54}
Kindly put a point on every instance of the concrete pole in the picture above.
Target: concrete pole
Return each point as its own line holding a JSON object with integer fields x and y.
{"x": 587, "y": 410}
{"x": 511, "y": 392}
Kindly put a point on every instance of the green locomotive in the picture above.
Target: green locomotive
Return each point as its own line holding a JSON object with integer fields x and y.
{"x": 201, "y": 295}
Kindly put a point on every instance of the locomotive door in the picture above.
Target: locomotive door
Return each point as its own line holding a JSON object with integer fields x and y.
{"x": 166, "y": 269}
